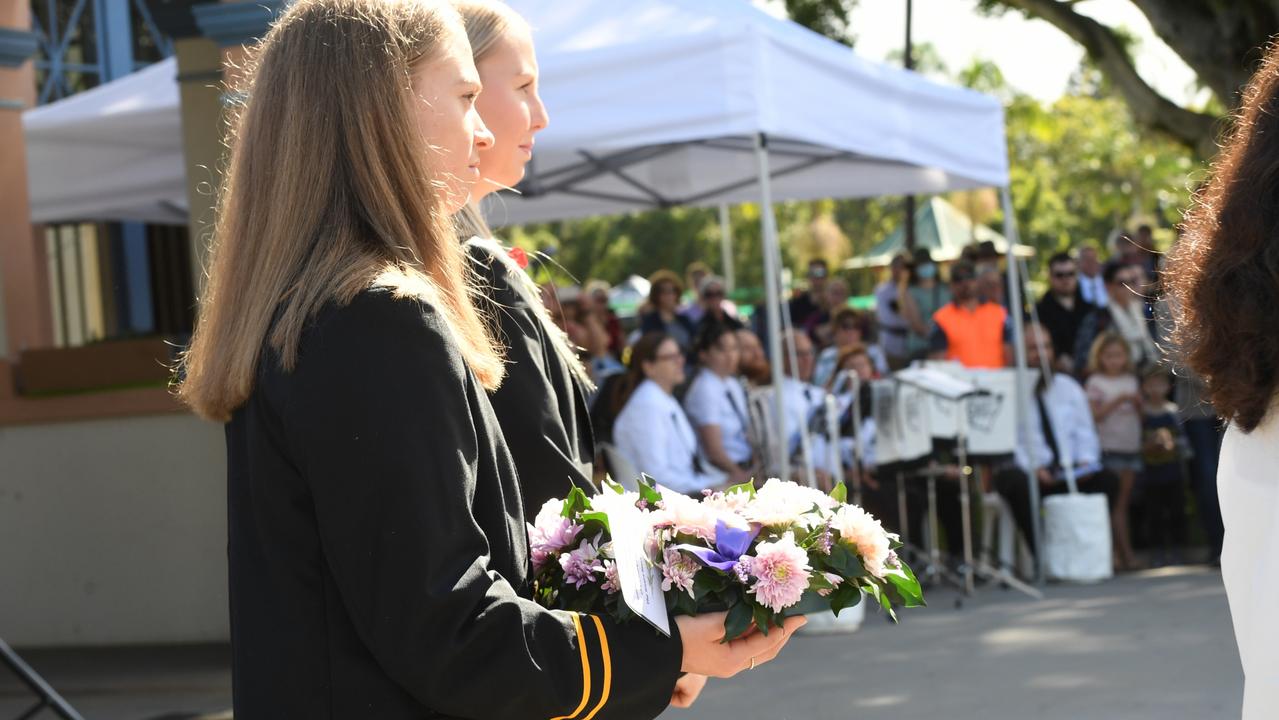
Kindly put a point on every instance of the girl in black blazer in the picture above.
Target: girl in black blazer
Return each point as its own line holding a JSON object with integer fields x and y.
{"x": 377, "y": 550}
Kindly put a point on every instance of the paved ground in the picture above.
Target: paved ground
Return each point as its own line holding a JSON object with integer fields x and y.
{"x": 1154, "y": 645}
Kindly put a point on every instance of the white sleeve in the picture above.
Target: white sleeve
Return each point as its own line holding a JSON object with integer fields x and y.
{"x": 698, "y": 404}
{"x": 1086, "y": 447}
{"x": 650, "y": 441}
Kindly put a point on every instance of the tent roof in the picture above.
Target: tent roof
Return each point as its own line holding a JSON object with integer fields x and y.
{"x": 724, "y": 70}
{"x": 653, "y": 103}
{"x": 940, "y": 227}
{"x": 110, "y": 153}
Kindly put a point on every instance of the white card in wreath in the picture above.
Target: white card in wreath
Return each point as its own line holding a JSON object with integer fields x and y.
{"x": 640, "y": 581}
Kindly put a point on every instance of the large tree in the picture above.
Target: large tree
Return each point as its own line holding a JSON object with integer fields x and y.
{"x": 1220, "y": 40}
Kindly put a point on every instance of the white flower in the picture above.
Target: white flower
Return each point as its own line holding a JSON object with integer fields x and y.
{"x": 780, "y": 503}
{"x": 861, "y": 530}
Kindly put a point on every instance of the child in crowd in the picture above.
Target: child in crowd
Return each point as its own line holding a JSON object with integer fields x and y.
{"x": 1116, "y": 406}
{"x": 1162, "y": 490}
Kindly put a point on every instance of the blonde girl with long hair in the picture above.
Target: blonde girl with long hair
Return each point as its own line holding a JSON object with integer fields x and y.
{"x": 1115, "y": 398}
{"x": 542, "y": 408}
{"x": 378, "y": 560}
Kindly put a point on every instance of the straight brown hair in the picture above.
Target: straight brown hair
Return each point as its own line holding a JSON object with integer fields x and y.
{"x": 329, "y": 191}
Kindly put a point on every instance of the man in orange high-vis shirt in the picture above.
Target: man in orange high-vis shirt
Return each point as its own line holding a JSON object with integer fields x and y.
{"x": 967, "y": 330}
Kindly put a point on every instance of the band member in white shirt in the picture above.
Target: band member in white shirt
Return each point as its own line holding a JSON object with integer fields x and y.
{"x": 717, "y": 406}
{"x": 651, "y": 430}
{"x": 1061, "y": 429}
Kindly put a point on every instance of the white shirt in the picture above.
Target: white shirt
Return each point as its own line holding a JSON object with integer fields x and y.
{"x": 652, "y": 432}
{"x": 800, "y": 400}
{"x": 1248, "y": 488}
{"x": 1094, "y": 290}
{"x": 713, "y": 400}
{"x": 1072, "y": 424}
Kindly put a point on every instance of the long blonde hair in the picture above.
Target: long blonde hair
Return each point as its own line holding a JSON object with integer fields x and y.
{"x": 328, "y": 192}
{"x": 487, "y": 21}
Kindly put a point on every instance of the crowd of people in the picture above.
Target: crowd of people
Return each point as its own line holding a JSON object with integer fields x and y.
{"x": 685, "y": 395}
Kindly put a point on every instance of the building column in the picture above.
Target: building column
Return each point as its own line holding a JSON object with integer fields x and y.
{"x": 24, "y": 273}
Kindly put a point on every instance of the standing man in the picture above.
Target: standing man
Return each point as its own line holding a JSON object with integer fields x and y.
{"x": 809, "y": 303}
{"x": 1062, "y": 311}
{"x": 967, "y": 330}
{"x": 893, "y": 328}
{"x": 1092, "y": 286}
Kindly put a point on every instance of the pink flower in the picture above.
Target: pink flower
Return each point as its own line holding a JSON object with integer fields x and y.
{"x": 686, "y": 516}
{"x": 550, "y": 533}
{"x": 581, "y": 564}
{"x": 781, "y": 573}
{"x": 779, "y": 504}
{"x": 834, "y": 580}
{"x": 678, "y": 570}
{"x": 611, "y": 584}
{"x": 861, "y": 530}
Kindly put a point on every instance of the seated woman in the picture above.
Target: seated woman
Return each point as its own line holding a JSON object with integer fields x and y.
{"x": 651, "y": 430}
{"x": 848, "y": 328}
{"x": 661, "y": 312}
{"x": 717, "y": 406}
{"x": 856, "y": 361}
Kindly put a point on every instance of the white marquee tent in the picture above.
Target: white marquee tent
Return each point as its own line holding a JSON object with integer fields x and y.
{"x": 657, "y": 102}
{"x": 653, "y": 103}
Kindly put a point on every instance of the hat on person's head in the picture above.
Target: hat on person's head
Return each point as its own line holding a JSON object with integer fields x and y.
{"x": 986, "y": 250}
{"x": 921, "y": 256}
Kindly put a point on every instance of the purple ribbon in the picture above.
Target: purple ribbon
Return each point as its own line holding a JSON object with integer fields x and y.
{"x": 730, "y": 544}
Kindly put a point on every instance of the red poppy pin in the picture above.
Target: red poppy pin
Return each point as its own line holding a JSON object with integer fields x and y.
{"x": 519, "y": 256}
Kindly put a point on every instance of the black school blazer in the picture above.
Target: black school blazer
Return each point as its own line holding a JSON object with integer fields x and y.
{"x": 377, "y": 548}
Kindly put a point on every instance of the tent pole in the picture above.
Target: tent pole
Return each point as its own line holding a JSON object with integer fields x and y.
{"x": 773, "y": 299}
{"x": 726, "y": 248}
{"x": 1022, "y": 387}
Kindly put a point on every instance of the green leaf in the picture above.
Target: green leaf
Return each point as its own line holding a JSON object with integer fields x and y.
{"x": 747, "y": 487}
{"x": 599, "y": 517}
{"x": 614, "y": 486}
{"x": 840, "y": 494}
{"x": 684, "y": 604}
{"x": 845, "y": 561}
{"x": 575, "y": 503}
{"x": 763, "y": 618}
{"x": 648, "y": 490}
{"x": 738, "y": 621}
{"x": 845, "y": 597}
{"x": 903, "y": 580}
{"x": 818, "y": 581}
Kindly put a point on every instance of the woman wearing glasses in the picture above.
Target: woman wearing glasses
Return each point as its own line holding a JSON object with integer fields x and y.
{"x": 651, "y": 430}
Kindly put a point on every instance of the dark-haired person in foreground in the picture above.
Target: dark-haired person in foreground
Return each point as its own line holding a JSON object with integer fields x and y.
{"x": 1223, "y": 278}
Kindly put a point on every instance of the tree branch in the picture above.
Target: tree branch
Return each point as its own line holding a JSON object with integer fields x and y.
{"x": 1220, "y": 42}
{"x": 1105, "y": 47}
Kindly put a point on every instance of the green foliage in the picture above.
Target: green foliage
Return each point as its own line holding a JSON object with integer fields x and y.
{"x": 827, "y": 17}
